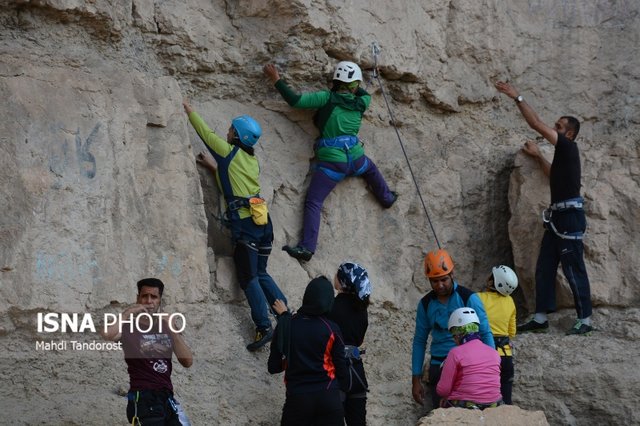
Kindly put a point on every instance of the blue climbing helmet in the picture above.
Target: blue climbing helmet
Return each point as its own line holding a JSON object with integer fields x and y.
{"x": 247, "y": 129}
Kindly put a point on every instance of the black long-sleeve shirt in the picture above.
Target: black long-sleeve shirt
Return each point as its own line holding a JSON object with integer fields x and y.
{"x": 353, "y": 322}
{"x": 316, "y": 359}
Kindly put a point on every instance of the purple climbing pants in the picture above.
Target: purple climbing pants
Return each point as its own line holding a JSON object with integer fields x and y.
{"x": 322, "y": 184}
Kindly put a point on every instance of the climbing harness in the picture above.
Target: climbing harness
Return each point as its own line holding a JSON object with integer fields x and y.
{"x": 375, "y": 50}
{"x": 256, "y": 204}
{"x": 352, "y": 353}
{"x": 166, "y": 399}
{"x": 573, "y": 203}
{"x": 471, "y": 404}
{"x": 135, "y": 421}
{"x": 345, "y": 141}
{"x": 502, "y": 344}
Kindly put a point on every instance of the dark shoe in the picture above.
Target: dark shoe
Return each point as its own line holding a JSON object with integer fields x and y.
{"x": 298, "y": 252}
{"x": 262, "y": 338}
{"x": 533, "y": 327}
{"x": 580, "y": 328}
{"x": 395, "y": 198}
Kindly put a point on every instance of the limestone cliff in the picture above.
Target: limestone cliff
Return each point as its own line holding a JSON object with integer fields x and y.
{"x": 100, "y": 188}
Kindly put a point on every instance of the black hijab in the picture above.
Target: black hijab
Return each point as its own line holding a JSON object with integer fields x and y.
{"x": 317, "y": 301}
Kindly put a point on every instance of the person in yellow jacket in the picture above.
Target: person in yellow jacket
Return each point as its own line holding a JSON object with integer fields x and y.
{"x": 238, "y": 176}
{"x": 501, "y": 312}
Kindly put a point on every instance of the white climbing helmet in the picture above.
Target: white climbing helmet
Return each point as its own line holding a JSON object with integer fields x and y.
{"x": 505, "y": 280}
{"x": 463, "y": 316}
{"x": 347, "y": 72}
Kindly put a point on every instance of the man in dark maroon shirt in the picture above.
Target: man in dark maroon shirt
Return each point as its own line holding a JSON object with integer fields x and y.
{"x": 149, "y": 341}
{"x": 564, "y": 220}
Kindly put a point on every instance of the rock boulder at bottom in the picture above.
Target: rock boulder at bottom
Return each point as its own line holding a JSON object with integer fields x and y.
{"x": 504, "y": 415}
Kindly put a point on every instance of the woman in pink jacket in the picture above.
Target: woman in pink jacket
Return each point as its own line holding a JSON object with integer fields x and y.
{"x": 471, "y": 373}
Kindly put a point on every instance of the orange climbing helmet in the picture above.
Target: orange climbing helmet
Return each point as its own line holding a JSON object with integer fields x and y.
{"x": 437, "y": 264}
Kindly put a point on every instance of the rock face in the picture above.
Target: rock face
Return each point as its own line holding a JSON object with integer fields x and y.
{"x": 99, "y": 185}
{"x": 87, "y": 203}
{"x": 504, "y": 415}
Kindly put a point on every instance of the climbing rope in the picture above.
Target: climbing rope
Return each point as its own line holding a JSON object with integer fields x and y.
{"x": 375, "y": 50}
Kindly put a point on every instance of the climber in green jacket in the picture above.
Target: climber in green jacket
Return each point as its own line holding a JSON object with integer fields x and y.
{"x": 338, "y": 150}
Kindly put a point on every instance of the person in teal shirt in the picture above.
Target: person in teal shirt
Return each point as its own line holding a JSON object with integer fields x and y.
{"x": 339, "y": 152}
{"x": 432, "y": 318}
{"x": 238, "y": 177}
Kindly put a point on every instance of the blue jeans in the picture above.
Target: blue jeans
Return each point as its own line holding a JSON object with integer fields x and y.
{"x": 570, "y": 253}
{"x": 250, "y": 255}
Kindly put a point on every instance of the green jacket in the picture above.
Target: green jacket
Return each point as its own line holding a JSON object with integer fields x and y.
{"x": 339, "y": 114}
{"x": 244, "y": 170}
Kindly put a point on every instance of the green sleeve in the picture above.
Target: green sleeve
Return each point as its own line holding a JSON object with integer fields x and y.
{"x": 312, "y": 100}
{"x": 213, "y": 141}
{"x": 287, "y": 92}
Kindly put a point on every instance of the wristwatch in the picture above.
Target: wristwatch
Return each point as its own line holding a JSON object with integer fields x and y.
{"x": 519, "y": 99}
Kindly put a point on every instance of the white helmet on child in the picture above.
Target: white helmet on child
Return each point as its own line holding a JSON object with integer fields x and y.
{"x": 347, "y": 72}
{"x": 463, "y": 316}
{"x": 505, "y": 280}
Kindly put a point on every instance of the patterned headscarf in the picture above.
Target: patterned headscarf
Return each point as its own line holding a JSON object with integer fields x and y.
{"x": 353, "y": 278}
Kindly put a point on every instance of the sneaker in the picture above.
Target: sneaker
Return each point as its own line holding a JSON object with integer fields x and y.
{"x": 298, "y": 252}
{"x": 262, "y": 338}
{"x": 580, "y": 328}
{"x": 533, "y": 327}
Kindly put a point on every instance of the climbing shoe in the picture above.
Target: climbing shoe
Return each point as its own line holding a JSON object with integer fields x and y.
{"x": 298, "y": 252}
{"x": 580, "y": 328}
{"x": 393, "y": 200}
{"x": 262, "y": 338}
{"x": 533, "y": 327}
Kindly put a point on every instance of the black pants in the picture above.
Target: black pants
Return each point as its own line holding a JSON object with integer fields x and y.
{"x": 355, "y": 409}
{"x": 355, "y": 403}
{"x": 152, "y": 408}
{"x": 506, "y": 378}
{"x": 434, "y": 377}
{"x": 570, "y": 253}
{"x": 322, "y": 408}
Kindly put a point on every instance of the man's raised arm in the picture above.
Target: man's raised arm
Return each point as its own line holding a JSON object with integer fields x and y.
{"x": 531, "y": 117}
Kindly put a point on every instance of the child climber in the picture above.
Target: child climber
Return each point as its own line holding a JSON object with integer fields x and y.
{"x": 338, "y": 151}
{"x": 471, "y": 372}
{"x": 350, "y": 313}
{"x": 501, "y": 312}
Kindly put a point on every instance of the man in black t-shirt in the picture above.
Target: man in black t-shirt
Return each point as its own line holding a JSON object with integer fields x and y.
{"x": 148, "y": 349}
{"x": 564, "y": 220}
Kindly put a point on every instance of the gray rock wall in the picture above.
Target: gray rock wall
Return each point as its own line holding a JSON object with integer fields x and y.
{"x": 99, "y": 185}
